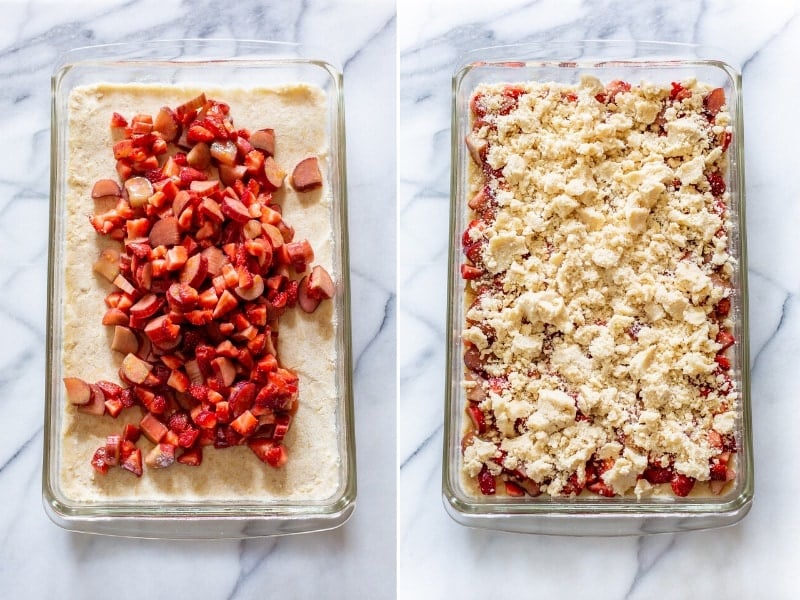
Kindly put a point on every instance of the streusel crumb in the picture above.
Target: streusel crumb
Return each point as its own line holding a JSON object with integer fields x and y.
{"x": 598, "y": 289}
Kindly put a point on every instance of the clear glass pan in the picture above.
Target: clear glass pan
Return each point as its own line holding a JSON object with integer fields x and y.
{"x": 218, "y": 65}
{"x": 566, "y": 62}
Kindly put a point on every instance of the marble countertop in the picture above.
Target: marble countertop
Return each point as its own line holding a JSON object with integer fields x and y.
{"x": 756, "y": 558}
{"x": 37, "y": 558}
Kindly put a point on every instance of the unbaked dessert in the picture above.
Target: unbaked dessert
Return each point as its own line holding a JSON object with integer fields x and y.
{"x": 598, "y": 318}
{"x": 198, "y": 349}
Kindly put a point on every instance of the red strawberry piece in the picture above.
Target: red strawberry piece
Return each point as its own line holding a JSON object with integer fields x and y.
{"x": 616, "y": 87}
{"x": 725, "y": 338}
{"x": 282, "y": 424}
{"x": 718, "y": 471}
{"x": 131, "y": 433}
{"x": 178, "y": 422}
{"x": 726, "y": 140}
{"x": 276, "y": 456}
{"x": 466, "y": 237}
{"x": 476, "y": 106}
{"x": 656, "y": 474}
{"x": 99, "y": 463}
{"x": 226, "y": 437}
{"x": 269, "y": 452}
{"x": 573, "y": 485}
{"x": 474, "y": 251}
{"x": 478, "y": 419}
{"x": 717, "y": 183}
{"x": 486, "y": 482}
{"x": 469, "y": 272}
{"x": 198, "y": 133}
{"x": 513, "y": 489}
{"x": 600, "y": 487}
{"x": 714, "y": 439}
{"x": 133, "y": 462}
{"x": 679, "y": 92}
{"x": 191, "y": 457}
{"x": 682, "y": 484}
{"x": 723, "y": 361}
{"x": 117, "y": 120}
{"x": 113, "y": 449}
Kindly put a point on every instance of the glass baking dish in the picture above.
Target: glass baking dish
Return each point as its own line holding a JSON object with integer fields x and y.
{"x": 587, "y": 513}
{"x": 232, "y": 494}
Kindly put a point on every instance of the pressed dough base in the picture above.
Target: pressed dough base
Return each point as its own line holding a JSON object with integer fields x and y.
{"x": 306, "y": 344}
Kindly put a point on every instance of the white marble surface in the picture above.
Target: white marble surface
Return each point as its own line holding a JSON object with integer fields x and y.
{"x": 40, "y": 560}
{"x": 755, "y": 559}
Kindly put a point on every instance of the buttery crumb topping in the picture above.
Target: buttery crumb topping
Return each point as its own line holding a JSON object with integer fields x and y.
{"x": 598, "y": 319}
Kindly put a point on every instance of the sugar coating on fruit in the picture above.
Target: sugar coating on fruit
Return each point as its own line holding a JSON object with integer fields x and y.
{"x": 298, "y": 114}
{"x": 604, "y": 254}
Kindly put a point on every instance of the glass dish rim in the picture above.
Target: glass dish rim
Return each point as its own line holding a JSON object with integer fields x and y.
{"x": 490, "y": 512}
{"x": 537, "y": 53}
{"x": 318, "y": 514}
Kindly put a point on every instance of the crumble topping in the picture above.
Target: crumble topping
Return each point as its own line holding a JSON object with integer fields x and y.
{"x": 598, "y": 284}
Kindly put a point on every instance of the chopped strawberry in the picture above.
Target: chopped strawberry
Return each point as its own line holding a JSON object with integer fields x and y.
{"x": 616, "y": 87}
{"x": 192, "y": 457}
{"x": 486, "y": 482}
{"x": 478, "y": 419}
{"x": 476, "y": 105}
{"x": 717, "y": 183}
{"x": 718, "y": 471}
{"x": 133, "y": 462}
{"x": 726, "y": 140}
{"x": 723, "y": 361}
{"x": 679, "y": 92}
{"x": 601, "y": 488}
{"x": 117, "y": 120}
{"x": 99, "y": 460}
{"x": 513, "y": 489}
{"x": 469, "y": 272}
{"x": 656, "y": 474}
{"x": 574, "y": 485}
{"x": 682, "y": 484}
{"x": 726, "y": 339}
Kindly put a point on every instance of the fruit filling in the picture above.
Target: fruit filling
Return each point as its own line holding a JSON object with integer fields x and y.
{"x": 202, "y": 266}
{"x": 598, "y": 340}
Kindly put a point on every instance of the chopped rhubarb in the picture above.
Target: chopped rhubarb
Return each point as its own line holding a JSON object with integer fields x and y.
{"x": 477, "y": 147}
{"x": 97, "y": 402}
{"x": 104, "y": 188}
{"x": 274, "y": 173}
{"x": 306, "y": 175}
{"x": 107, "y": 264}
{"x": 715, "y": 101}
{"x": 264, "y": 140}
{"x": 153, "y": 429}
{"x": 78, "y": 391}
